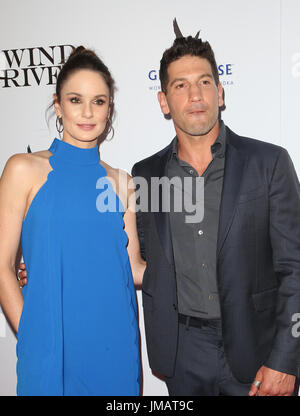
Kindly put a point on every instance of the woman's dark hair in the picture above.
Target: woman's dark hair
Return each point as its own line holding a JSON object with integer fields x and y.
{"x": 82, "y": 58}
{"x": 183, "y": 46}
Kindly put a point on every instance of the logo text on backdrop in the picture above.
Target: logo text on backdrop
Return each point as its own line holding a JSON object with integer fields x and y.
{"x": 26, "y": 67}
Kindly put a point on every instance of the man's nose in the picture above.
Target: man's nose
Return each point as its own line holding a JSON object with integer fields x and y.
{"x": 195, "y": 92}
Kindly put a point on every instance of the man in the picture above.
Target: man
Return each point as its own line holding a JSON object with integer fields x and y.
{"x": 220, "y": 296}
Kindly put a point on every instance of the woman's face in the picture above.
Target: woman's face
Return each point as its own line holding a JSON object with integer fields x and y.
{"x": 84, "y": 107}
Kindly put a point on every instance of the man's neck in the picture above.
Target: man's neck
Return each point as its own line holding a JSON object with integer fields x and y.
{"x": 196, "y": 150}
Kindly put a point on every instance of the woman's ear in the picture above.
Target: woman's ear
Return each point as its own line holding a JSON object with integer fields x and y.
{"x": 56, "y": 106}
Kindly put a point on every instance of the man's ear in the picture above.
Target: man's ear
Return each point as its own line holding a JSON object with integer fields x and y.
{"x": 220, "y": 95}
{"x": 162, "y": 99}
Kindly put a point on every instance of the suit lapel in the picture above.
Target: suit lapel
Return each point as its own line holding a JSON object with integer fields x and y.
{"x": 162, "y": 219}
{"x": 235, "y": 163}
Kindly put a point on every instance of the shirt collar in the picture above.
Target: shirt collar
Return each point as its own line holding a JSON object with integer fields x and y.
{"x": 217, "y": 148}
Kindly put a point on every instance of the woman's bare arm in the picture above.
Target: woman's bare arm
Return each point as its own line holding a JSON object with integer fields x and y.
{"x": 123, "y": 185}
{"x": 138, "y": 265}
{"x": 15, "y": 185}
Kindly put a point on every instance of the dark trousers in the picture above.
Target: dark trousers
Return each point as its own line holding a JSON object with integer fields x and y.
{"x": 201, "y": 365}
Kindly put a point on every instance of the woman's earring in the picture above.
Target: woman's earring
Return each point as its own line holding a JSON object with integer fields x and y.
{"x": 59, "y": 125}
{"x": 108, "y": 124}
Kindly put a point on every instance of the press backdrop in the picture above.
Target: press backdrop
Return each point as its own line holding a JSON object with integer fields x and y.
{"x": 257, "y": 46}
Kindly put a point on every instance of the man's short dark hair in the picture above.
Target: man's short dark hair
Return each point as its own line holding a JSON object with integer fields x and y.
{"x": 183, "y": 46}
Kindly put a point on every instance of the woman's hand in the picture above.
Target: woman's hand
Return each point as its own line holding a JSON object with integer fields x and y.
{"x": 22, "y": 275}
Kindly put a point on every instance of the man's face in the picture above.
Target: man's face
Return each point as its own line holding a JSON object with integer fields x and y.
{"x": 192, "y": 96}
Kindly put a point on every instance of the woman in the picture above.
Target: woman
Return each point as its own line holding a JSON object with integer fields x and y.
{"x": 78, "y": 332}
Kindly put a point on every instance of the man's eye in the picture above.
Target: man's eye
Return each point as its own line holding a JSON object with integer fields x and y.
{"x": 179, "y": 86}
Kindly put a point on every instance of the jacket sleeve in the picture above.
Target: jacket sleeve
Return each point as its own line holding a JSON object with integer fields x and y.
{"x": 139, "y": 224}
{"x": 284, "y": 199}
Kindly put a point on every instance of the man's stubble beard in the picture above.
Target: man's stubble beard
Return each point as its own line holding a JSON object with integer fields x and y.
{"x": 198, "y": 131}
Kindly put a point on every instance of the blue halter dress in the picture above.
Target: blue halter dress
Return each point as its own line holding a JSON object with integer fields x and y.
{"x": 78, "y": 333}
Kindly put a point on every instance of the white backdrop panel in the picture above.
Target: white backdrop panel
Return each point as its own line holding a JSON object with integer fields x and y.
{"x": 257, "y": 41}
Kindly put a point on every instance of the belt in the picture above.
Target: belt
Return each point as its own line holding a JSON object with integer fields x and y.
{"x": 199, "y": 322}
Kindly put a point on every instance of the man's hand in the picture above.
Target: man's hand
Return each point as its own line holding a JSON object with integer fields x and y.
{"x": 22, "y": 275}
{"x": 273, "y": 383}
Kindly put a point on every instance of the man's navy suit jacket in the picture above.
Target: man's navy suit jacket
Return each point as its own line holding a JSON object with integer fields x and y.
{"x": 258, "y": 262}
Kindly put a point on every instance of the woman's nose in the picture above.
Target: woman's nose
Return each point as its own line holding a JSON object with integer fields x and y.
{"x": 87, "y": 111}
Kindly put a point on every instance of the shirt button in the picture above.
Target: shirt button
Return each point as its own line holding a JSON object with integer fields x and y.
{"x": 200, "y": 232}
{"x": 203, "y": 265}
{"x": 191, "y": 171}
{"x": 210, "y": 297}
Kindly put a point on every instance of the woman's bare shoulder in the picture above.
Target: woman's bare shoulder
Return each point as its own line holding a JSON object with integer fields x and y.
{"x": 20, "y": 159}
{"x": 26, "y": 164}
{"x": 44, "y": 154}
{"x": 120, "y": 182}
{"x": 119, "y": 175}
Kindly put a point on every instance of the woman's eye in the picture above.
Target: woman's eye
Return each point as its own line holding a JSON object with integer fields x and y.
{"x": 100, "y": 102}
{"x": 74, "y": 100}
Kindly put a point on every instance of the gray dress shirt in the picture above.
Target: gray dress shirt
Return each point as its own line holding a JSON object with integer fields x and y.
{"x": 195, "y": 244}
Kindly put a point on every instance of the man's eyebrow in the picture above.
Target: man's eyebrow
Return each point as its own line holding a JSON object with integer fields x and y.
{"x": 176, "y": 80}
{"x": 207, "y": 75}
